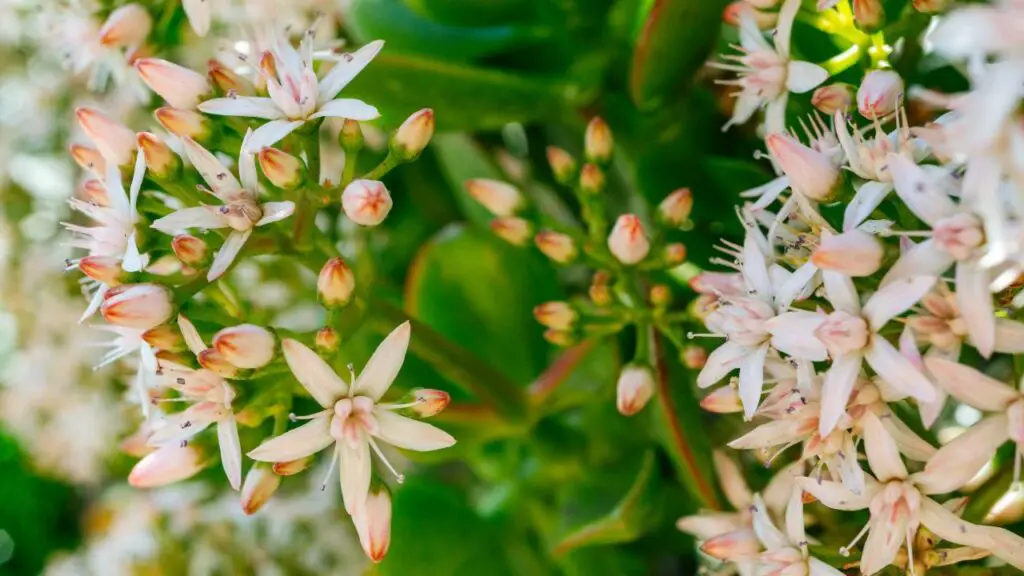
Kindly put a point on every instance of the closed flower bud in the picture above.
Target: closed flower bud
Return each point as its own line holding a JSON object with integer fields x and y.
{"x": 170, "y": 464}
{"x": 500, "y": 198}
{"x": 183, "y": 123}
{"x": 694, "y": 357}
{"x": 515, "y": 231}
{"x": 366, "y": 202}
{"x": 724, "y": 400}
{"x": 674, "y": 253}
{"x": 89, "y": 159}
{"x": 591, "y": 179}
{"x": 426, "y": 402}
{"x": 327, "y": 339}
{"x": 161, "y": 161}
{"x": 675, "y": 209}
{"x": 138, "y": 306}
{"x": 556, "y": 315}
{"x": 215, "y": 362}
{"x": 599, "y": 291}
{"x": 879, "y": 94}
{"x": 660, "y": 295}
{"x": 115, "y": 141}
{"x": 104, "y": 269}
{"x": 559, "y": 337}
{"x": 281, "y": 168}
{"x": 559, "y": 247}
{"x": 260, "y": 484}
{"x": 634, "y": 389}
{"x": 335, "y": 284}
{"x": 351, "y": 136}
{"x": 811, "y": 173}
{"x": 227, "y": 81}
{"x": 246, "y": 345}
{"x": 735, "y": 11}
{"x": 563, "y": 165}
{"x": 930, "y": 6}
{"x": 868, "y": 14}
{"x": 94, "y": 191}
{"x": 597, "y": 141}
{"x": 855, "y": 253}
{"x": 413, "y": 135}
{"x": 628, "y": 240}
{"x": 164, "y": 337}
{"x": 291, "y": 467}
{"x": 126, "y": 27}
{"x": 373, "y": 524}
{"x": 190, "y": 250}
{"x": 833, "y": 98}
{"x": 178, "y": 86}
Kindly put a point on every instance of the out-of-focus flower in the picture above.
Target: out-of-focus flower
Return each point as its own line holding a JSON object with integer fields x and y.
{"x": 634, "y": 389}
{"x": 880, "y": 93}
{"x": 181, "y": 87}
{"x": 500, "y": 198}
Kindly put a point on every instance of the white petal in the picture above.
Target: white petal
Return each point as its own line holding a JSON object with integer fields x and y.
{"x": 969, "y": 385}
{"x": 1009, "y": 336}
{"x": 348, "y": 108}
{"x": 926, "y": 200}
{"x": 836, "y": 496}
{"x": 94, "y": 305}
{"x": 721, "y": 362}
{"x": 221, "y": 180}
{"x": 752, "y": 380}
{"x": 910, "y": 444}
{"x": 245, "y": 106}
{"x": 382, "y": 368}
{"x": 198, "y": 14}
{"x": 203, "y": 217}
{"x": 956, "y": 463}
{"x": 132, "y": 261}
{"x": 868, "y": 197}
{"x": 924, "y": 259}
{"x": 774, "y": 433}
{"x": 888, "y": 531}
{"x": 300, "y": 442}
{"x": 226, "y": 255}
{"x": 784, "y": 28}
{"x": 795, "y": 518}
{"x": 115, "y": 190}
{"x": 703, "y": 526}
{"x": 769, "y": 536}
{"x": 835, "y": 393}
{"x": 976, "y": 310}
{"x": 138, "y": 174}
{"x": 819, "y": 568}
{"x": 775, "y": 114}
{"x": 315, "y": 375}
{"x": 882, "y": 452}
{"x": 897, "y": 371}
{"x": 230, "y": 450}
{"x": 746, "y": 105}
{"x": 409, "y": 434}
{"x": 275, "y": 211}
{"x": 247, "y": 166}
{"x": 755, "y": 269}
{"x": 355, "y": 472}
{"x": 840, "y": 292}
{"x": 734, "y": 485}
{"x": 794, "y": 285}
{"x": 346, "y": 69}
{"x": 271, "y": 133}
{"x": 804, "y": 76}
{"x": 948, "y": 526}
{"x": 895, "y": 298}
{"x": 192, "y": 338}
{"x": 793, "y": 334}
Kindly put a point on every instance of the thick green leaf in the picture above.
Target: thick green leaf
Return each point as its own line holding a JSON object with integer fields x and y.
{"x": 479, "y": 293}
{"x": 604, "y": 561}
{"x": 675, "y": 40}
{"x": 578, "y": 376}
{"x": 473, "y": 12}
{"x": 462, "y": 159}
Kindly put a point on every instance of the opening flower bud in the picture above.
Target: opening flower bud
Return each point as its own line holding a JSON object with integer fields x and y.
{"x": 164, "y": 337}
{"x": 694, "y": 357}
{"x": 879, "y": 94}
{"x": 291, "y": 467}
{"x": 559, "y": 337}
{"x": 674, "y": 253}
{"x": 104, "y": 269}
{"x": 170, "y": 464}
{"x": 811, "y": 173}
{"x": 351, "y": 136}
{"x": 660, "y": 295}
{"x": 227, "y": 81}
{"x": 246, "y": 345}
{"x": 140, "y": 306}
{"x": 161, "y": 161}
{"x": 427, "y": 402}
{"x": 563, "y": 165}
{"x": 628, "y": 240}
{"x": 115, "y": 142}
{"x": 500, "y": 198}
{"x": 366, "y": 202}
{"x": 126, "y": 27}
{"x": 675, "y": 209}
{"x": 88, "y": 158}
{"x": 854, "y": 253}
{"x": 736, "y": 11}
{"x": 724, "y": 400}
{"x": 634, "y": 389}
{"x": 178, "y": 86}
{"x": 335, "y": 284}
{"x": 735, "y": 544}
{"x": 327, "y": 339}
{"x": 215, "y": 362}
{"x": 94, "y": 191}
{"x": 597, "y": 141}
{"x": 413, "y": 135}
{"x": 281, "y": 168}
{"x": 373, "y": 524}
{"x": 591, "y": 179}
{"x": 183, "y": 123}
{"x": 556, "y": 315}
{"x": 833, "y": 98}
{"x": 868, "y": 14}
{"x": 260, "y": 484}
{"x": 190, "y": 250}
{"x": 515, "y": 231}
{"x": 559, "y": 247}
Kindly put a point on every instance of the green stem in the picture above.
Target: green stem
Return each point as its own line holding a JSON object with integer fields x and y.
{"x": 389, "y": 164}
{"x": 349, "y": 172}
{"x": 842, "y": 61}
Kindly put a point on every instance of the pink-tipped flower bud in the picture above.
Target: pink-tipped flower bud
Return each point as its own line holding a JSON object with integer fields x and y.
{"x": 868, "y": 14}
{"x": 854, "y": 253}
{"x": 335, "y": 284}
{"x": 515, "y": 231}
{"x": 260, "y": 484}
{"x": 736, "y": 544}
{"x": 563, "y": 165}
{"x": 190, "y": 250}
{"x": 556, "y": 315}
{"x": 597, "y": 141}
{"x": 628, "y": 240}
{"x": 724, "y": 400}
{"x": 879, "y": 94}
{"x": 674, "y": 254}
{"x": 104, "y": 269}
{"x": 215, "y": 362}
{"x": 634, "y": 389}
{"x": 94, "y": 191}
{"x": 126, "y": 27}
{"x": 171, "y": 463}
{"x": 327, "y": 339}
{"x": 559, "y": 337}
{"x": 164, "y": 337}
{"x": 426, "y": 402}
{"x": 811, "y": 173}
{"x": 930, "y": 6}
{"x": 413, "y": 135}
{"x": 115, "y": 141}
{"x": 181, "y": 87}
{"x": 660, "y": 295}
{"x": 735, "y": 12}
{"x": 675, "y": 209}
{"x": 281, "y": 168}
{"x": 291, "y": 467}
{"x": 351, "y": 136}
{"x": 373, "y": 524}
{"x": 559, "y": 247}
{"x": 591, "y": 179}
{"x": 366, "y": 202}
{"x": 500, "y": 198}
{"x": 89, "y": 159}
{"x": 161, "y": 161}
{"x": 227, "y": 81}
{"x": 183, "y": 123}
{"x": 246, "y": 345}
{"x": 833, "y": 98}
{"x": 694, "y": 357}
{"x": 138, "y": 306}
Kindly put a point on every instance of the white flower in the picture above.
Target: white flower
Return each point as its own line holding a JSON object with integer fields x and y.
{"x": 296, "y": 94}
{"x": 786, "y": 552}
{"x": 767, "y": 74}
{"x": 353, "y": 417}
{"x": 240, "y": 210}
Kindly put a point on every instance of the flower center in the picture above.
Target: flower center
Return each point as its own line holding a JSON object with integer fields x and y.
{"x": 958, "y": 235}
{"x": 352, "y": 418}
{"x": 242, "y": 214}
{"x": 842, "y": 333}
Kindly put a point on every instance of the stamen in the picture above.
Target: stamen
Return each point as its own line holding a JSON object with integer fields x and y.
{"x": 692, "y": 335}
{"x": 330, "y": 471}
{"x": 910, "y": 551}
{"x": 352, "y": 375}
{"x": 398, "y": 477}
{"x": 845, "y": 550}
{"x": 295, "y": 418}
